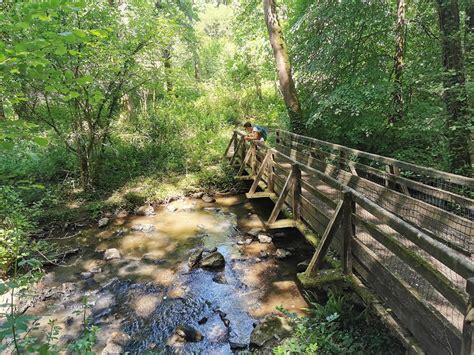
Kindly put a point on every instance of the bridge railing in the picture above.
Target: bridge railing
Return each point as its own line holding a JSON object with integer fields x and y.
{"x": 409, "y": 263}
{"x": 428, "y": 198}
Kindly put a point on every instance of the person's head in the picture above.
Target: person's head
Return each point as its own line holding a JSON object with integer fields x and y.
{"x": 248, "y": 127}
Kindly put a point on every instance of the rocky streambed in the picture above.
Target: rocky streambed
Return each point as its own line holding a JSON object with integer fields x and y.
{"x": 193, "y": 276}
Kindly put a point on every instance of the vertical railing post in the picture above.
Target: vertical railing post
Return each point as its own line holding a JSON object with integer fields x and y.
{"x": 270, "y": 172}
{"x": 296, "y": 187}
{"x": 467, "y": 330}
{"x": 232, "y": 141}
{"x": 277, "y": 139}
{"x": 347, "y": 231}
{"x": 236, "y": 142}
{"x": 342, "y": 157}
{"x": 388, "y": 169}
{"x": 253, "y": 158}
{"x": 243, "y": 149}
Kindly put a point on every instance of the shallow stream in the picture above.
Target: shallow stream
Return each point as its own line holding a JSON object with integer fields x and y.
{"x": 150, "y": 289}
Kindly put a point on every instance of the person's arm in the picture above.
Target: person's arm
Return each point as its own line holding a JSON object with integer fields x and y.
{"x": 254, "y": 136}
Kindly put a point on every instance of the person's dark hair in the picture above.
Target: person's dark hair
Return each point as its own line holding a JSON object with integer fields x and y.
{"x": 247, "y": 124}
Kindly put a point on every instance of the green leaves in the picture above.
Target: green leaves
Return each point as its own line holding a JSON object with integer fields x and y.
{"x": 84, "y": 80}
{"x": 41, "y": 141}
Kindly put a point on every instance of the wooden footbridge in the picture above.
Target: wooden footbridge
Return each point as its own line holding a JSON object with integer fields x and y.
{"x": 404, "y": 233}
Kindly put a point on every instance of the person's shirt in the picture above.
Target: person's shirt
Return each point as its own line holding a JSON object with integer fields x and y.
{"x": 260, "y": 131}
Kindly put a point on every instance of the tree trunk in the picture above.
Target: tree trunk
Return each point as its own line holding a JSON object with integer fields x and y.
{"x": 167, "y": 62}
{"x": 282, "y": 60}
{"x": 455, "y": 94}
{"x": 397, "y": 95}
{"x": 258, "y": 86}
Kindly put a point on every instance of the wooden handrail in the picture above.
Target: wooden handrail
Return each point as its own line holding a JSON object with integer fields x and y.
{"x": 453, "y": 178}
{"x": 448, "y": 196}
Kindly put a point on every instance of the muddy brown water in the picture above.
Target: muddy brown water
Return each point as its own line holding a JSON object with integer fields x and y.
{"x": 150, "y": 291}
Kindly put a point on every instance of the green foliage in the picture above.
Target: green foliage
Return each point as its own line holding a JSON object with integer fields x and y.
{"x": 15, "y": 224}
{"x": 337, "y": 328}
{"x": 88, "y": 339}
{"x": 343, "y": 59}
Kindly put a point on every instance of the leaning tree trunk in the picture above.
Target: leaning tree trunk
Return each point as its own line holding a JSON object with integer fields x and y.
{"x": 455, "y": 94}
{"x": 397, "y": 95}
{"x": 280, "y": 52}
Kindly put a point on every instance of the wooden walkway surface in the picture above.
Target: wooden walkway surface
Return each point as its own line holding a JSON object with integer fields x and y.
{"x": 403, "y": 230}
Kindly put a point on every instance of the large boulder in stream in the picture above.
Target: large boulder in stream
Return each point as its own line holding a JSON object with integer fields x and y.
{"x": 272, "y": 328}
{"x": 195, "y": 258}
{"x": 212, "y": 260}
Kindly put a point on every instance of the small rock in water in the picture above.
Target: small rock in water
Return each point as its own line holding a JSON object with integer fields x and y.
{"x": 240, "y": 242}
{"x": 213, "y": 260}
{"x": 121, "y": 213}
{"x": 237, "y": 346}
{"x": 248, "y": 241}
{"x": 195, "y": 258}
{"x": 69, "y": 321}
{"x": 219, "y": 278}
{"x": 96, "y": 270}
{"x": 146, "y": 210}
{"x": 197, "y": 194}
{"x": 210, "y": 250}
{"x": 119, "y": 232}
{"x": 253, "y": 232}
{"x": 111, "y": 253}
{"x": 145, "y": 228}
{"x": 208, "y": 199}
{"x": 171, "y": 208}
{"x": 265, "y": 239}
{"x": 203, "y": 320}
{"x": 282, "y": 254}
{"x": 103, "y": 222}
{"x": 264, "y": 254}
{"x": 302, "y": 266}
{"x": 86, "y": 275}
{"x": 258, "y": 260}
{"x": 116, "y": 343}
{"x": 187, "y": 333}
{"x": 213, "y": 209}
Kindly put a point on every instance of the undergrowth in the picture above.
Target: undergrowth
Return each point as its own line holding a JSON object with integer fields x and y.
{"x": 337, "y": 327}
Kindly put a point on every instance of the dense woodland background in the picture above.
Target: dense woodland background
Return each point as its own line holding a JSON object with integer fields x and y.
{"x": 108, "y": 104}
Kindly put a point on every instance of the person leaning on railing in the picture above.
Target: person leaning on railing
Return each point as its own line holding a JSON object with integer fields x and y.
{"x": 255, "y": 132}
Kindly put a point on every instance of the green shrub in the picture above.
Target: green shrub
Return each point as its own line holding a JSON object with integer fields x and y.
{"x": 337, "y": 328}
